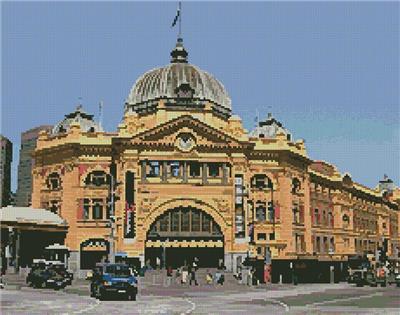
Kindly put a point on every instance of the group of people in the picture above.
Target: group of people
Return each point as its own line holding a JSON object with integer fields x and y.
{"x": 250, "y": 276}
{"x": 187, "y": 274}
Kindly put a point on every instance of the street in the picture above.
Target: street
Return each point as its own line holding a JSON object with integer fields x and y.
{"x": 156, "y": 299}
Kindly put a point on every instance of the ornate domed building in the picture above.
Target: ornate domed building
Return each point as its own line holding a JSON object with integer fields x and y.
{"x": 182, "y": 179}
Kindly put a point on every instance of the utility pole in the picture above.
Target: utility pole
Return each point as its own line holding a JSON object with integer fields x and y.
{"x": 112, "y": 221}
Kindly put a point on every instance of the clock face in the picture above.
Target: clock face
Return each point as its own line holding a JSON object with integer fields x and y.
{"x": 185, "y": 142}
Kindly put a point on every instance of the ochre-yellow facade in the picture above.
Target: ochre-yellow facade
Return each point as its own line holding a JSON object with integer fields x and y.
{"x": 316, "y": 212}
{"x": 181, "y": 172}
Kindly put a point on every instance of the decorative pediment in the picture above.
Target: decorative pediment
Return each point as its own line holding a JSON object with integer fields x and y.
{"x": 186, "y": 133}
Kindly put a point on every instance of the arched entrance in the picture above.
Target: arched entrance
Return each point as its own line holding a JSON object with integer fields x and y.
{"x": 181, "y": 234}
{"x": 93, "y": 251}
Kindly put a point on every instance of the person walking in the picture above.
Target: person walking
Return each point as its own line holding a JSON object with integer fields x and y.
{"x": 192, "y": 273}
{"x": 169, "y": 275}
{"x": 209, "y": 277}
{"x": 184, "y": 275}
{"x": 250, "y": 276}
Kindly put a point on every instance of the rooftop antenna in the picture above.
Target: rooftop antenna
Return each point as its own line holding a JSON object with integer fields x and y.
{"x": 257, "y": 121}
{"x": 101, "y": 114}
{"x": 79, "y": 107}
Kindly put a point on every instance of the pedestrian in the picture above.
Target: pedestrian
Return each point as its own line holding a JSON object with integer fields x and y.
{"x": 192, "y": 273}
{"x": 209, "y": 277}
{"x": 184, "y": 275}
{"x": 158, "y": 263}
{"x": 177, "y": 275}
{"x": 169, "y": 275}
{"x": 248, "y": 276}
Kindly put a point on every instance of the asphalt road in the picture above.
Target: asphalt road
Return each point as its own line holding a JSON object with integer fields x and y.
{"x": 302, "y": 299}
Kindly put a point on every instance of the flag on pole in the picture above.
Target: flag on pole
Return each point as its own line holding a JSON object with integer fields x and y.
{"x": 178, "y": 13}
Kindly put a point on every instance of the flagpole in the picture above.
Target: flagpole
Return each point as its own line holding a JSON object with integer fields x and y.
{"x": 180, "y": 21}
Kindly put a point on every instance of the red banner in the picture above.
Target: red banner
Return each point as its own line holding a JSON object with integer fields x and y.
{"x": 277, "y": 212}
{"x": 80, "y": 210}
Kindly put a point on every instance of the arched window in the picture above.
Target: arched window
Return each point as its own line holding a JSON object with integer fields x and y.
{"x": 295, "y": 186}
{"x": 261, "y": 181}
{"x": 97, "y": 178}
{"x": 54, "y": 181}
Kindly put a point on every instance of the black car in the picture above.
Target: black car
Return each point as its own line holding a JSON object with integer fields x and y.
{"x": 60, "y": 268}
{"x": 113, "y": 279}
{"x": 42, "y": 276}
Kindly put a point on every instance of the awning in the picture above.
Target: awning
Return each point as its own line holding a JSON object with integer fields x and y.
{"x": 192, "y": 243}
{"x": 57, "y": 246}
{"x": 31, "y": 218}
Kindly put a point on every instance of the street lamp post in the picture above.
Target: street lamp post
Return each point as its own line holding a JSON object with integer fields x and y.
{"x": 112, "y": 221}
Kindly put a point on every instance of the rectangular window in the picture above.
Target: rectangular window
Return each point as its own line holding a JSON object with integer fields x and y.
{"x": 270, "y": 211}
{"x": 260, "y": 212}
{"x": 272, "y": 236}
{"x": 195, "y": 221}
{"x": 318, "y": 244}
{"x": 295, "y": 212}
{"x": 213, "y": 169}
{"x": 86, "y": 207}
{"x": 175, "y": 169}
{"x": 185, "y": 221}
{"x": 205, "y": 223}
{"x": 164, "y": 223}
{"x": 194, "y": 169}
{"x": 261, "y": 236}
{"x": 97, "y": 209}
{"x": 175, "y": 221}
{"x": 154, "y": 169}
{"x": 316, "y": 217}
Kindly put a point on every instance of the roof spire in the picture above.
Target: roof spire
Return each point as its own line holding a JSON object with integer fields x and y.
{"x": 179, "y": 53}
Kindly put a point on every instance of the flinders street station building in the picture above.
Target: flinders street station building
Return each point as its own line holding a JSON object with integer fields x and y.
{"x": 181, "y": 178}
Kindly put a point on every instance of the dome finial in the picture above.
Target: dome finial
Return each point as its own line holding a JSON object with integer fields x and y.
{"x": 179, "y": 54}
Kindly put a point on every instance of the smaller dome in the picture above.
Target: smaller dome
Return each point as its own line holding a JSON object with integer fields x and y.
{"x": 85, "y": 121}
{"x": 269, "y": 129}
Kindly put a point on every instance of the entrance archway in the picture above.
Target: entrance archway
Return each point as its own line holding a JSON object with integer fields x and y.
{"x": 180, "y": 235}
{"x": 93, "y": 251}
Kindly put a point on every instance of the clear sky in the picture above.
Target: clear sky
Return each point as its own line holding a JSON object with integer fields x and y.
{"x": 328, "y": 71}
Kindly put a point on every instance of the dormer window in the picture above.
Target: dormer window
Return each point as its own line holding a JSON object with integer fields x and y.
{"x": 91, "y": 129}
{"x": 54, "y": 181}
{"x": 96, "y": 178}
{"x": 261, "y": 181}
{"x": 61, "y": 129}
{"x": 184, "y": 91}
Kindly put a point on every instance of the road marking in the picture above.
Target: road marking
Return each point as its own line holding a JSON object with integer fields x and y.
{"x": 285, "y": 306}
{"x": 192, "y": 308}
{"x": 345, "y": 299}
{"x": 89, "y": 308}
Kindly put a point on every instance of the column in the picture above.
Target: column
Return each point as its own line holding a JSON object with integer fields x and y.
{"x": 164, "y": 171}
{"x": 17, "y": 249}
{"x": 143, "y": 171}
{"x": 185, "y": 174}
{"x": 224, "y": 174}
{"x": 204, "y": 173}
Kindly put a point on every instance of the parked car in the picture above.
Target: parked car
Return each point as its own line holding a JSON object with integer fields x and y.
{"x": 394, "y": 278}
{"x": 43, "y": 275}
{"x": 113, "y": 279}
{"x": 367, "y": 278}
{"x": 60, "y": 268}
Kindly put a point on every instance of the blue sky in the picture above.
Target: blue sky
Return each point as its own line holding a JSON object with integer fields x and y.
{"x": 328, "y": 71}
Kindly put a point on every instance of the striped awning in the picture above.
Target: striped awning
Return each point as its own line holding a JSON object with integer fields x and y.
{"x": 177, "y": 243}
